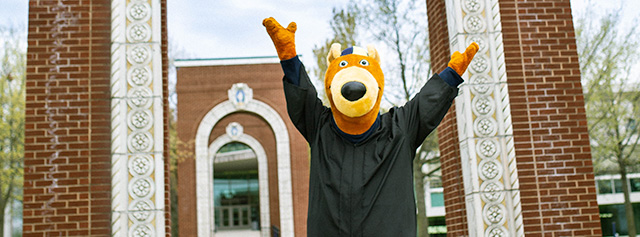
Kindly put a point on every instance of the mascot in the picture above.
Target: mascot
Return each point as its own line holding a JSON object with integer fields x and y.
{"x": 361, "y": 181}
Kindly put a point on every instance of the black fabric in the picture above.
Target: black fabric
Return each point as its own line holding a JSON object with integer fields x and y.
{"x": 360, "y": 137}
{"x": 365, "y": 188}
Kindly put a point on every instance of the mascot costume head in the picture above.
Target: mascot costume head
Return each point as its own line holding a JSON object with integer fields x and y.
{"x": 354, "y": 84}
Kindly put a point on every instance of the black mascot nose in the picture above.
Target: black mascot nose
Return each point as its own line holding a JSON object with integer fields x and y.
{"x": 353, "y": 90}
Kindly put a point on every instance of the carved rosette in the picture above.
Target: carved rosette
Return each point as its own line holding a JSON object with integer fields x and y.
{"x": 484, "y": 121}
{"x": 137, "y": 119}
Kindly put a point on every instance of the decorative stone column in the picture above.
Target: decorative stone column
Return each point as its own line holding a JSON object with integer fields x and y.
{"x": 484, "y": 122}
{"x": 137, "y": 115}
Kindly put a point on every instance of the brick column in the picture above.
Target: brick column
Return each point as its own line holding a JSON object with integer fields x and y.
{"x": 67, "y": 174}
{"x": 68, "y": 129}
{"x": 549, "y": 121}
{"x": 521, "y": 110}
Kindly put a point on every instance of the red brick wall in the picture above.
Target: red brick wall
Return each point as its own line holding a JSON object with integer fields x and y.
{"x": 549, "y": 123}
{"x": 67, "y": 187}
{"x": 454, "y": 198}
{"x": 67, "y": 130}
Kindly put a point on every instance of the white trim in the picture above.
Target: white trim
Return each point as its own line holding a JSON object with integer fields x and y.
{"x": 226, "y": 61}
{"x": 263, "y": 176}
{"x": 203, "y": 190}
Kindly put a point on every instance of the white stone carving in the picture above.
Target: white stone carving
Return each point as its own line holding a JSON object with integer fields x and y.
{"x": 473, "y": 5}
{"x": 487, "y": 148}
{"x": 485, "y": 126}
{"x": 492, "y": 191}
{"x": 494, "y": 213}
{"x": 496, "y": 231}
{"x": 479, "y": 64}
{"x": 140, "y": 142}
{"x": 140, "y": 119}
{"x": 139, "y": 32}
{"x": 139, "y": 76}
{"x": 142, "y": 230}
{"x": 138, "y": 11}
{"x": 490, "y": 169}
{"x": 240, "y": 94}
{"x": 474, "y": 24}
{"x": 484, "y": 122}
{"x": 480, "y": 84}
{"x": 137, "y": 135}
{"x": 141, "y": 187}
{"x": 234, "y": 130}
{"x": 140, "y": 210}
{"x": 140, "y": 54}
{"x": 483, "y": 105}
{"x": 141, "y": 165}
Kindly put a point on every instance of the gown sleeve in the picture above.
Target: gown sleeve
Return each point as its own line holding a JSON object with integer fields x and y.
{"x": 422, "y": 114}
{"x": 303, "y": 105}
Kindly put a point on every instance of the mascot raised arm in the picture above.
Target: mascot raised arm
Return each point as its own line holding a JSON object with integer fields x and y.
{"x": 361, "y": 181}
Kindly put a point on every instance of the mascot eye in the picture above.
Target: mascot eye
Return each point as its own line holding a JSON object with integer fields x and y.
{"x": 343, "y": 64}
{"x": 364, "y": 62}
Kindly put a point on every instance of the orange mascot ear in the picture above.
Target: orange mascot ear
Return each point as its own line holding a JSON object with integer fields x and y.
{"x": 373, "y": 53}
{"x": 334, "y": 52}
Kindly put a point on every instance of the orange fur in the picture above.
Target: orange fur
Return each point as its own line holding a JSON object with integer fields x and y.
{"x": 459, "y": 62}
{"x": 283, "y": 38}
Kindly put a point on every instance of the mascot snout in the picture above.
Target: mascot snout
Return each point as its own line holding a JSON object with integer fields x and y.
{"x": 353, "y": 90}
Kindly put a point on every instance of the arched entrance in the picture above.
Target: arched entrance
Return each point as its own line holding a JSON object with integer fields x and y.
{"x": 238, "y": 164}
{"x": 240, "y": 100}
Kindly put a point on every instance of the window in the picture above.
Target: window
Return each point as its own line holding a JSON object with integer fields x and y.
{"x": 635, "y": 184}
{"x": 618, "y": 185}
{"x": 437, "y": 199}
{"x": 604, "y": 186}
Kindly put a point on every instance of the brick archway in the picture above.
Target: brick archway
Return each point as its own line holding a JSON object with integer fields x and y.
{"x": 204, "y": 172}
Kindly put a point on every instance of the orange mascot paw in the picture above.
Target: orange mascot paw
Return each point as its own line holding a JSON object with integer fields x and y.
{"x": 283, "y": 38}
{"x": 459, "y": 62}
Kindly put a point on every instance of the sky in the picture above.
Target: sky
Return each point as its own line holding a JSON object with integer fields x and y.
{"x": 233, "y": 28}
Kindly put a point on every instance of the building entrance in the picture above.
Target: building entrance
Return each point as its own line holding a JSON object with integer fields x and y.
{"x": 236, "y": 188}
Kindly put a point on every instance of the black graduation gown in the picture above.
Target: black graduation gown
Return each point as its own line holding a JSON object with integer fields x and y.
{"x": 365, "y": 189}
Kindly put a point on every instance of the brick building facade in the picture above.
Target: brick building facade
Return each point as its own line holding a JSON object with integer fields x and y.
{"x": 208, "y": 104}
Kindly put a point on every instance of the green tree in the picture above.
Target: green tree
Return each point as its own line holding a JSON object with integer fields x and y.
{"x": 398, "y": 29}
{"x": 344, "y": 28}
{"x": 12, "y": 100}
{"x": 607, "y": 53}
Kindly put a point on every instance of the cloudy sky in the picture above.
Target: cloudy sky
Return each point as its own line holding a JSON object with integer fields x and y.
{"x": 233, "y": 28}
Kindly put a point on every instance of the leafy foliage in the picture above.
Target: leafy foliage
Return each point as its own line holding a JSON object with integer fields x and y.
{"x": 12, "y": 102}
{"x": 612, "y": 98}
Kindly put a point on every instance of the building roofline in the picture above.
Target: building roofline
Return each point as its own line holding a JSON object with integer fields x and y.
{"x": 198, "y": 62}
